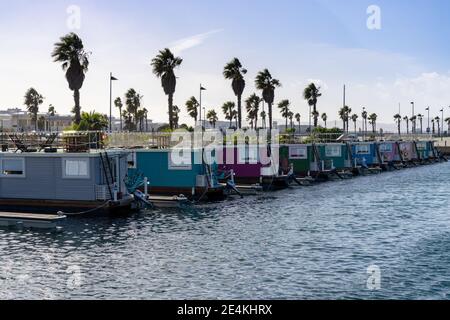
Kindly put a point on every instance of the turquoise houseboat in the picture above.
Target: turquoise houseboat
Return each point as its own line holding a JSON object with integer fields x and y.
{"x": 300, "y": 158}
{"x": 176, "y": 172}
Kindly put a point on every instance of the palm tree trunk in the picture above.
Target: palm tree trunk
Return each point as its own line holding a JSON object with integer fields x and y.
{"x": 286, "y": 130}
{"x": 171, "y": 111}
{"x": 399, "y": 130}
{"x": 77, "y": 109}
{"x": 270, "y": 117}
{"x": 239, "y": 101}
{"x": 121, "y": 128}
{"x": 316, "y": 120}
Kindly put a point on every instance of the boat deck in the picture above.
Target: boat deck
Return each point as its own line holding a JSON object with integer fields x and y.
{"x": 30, "y": 220}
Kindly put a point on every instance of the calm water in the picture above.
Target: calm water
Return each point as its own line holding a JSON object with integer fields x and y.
{"x": 304, "y": 243}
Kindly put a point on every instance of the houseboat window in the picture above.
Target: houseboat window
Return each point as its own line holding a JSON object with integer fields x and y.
{"x": 362, "y": 149}
{"x": 13, "y": 167}
{"x": 385, "y": 147}
{"x": 298, "y": 152}
{"x": 131, "y": 158}
{"x": 248, "y": 154}
{"x": 421, "y": 146}
{"x": 76, "y": 168}
{"x": 333, "y": 151}
{"x": 180, "y": 159}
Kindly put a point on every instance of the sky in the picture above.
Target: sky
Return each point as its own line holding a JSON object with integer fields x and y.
{"x": 300, "y": 41}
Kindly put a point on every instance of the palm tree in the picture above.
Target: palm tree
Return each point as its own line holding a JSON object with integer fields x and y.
{"x": 434, "y": 127}
{"x": 263, "y": 116}
{"x": 234, "y": 71}
{"x": 212, "y": 117}
{"x": 33, "y": 100}
{"x": 405, "y": 118}
{"x": 228, "y": 110}
{"x": 398, "y": 120}
{"x": 192, "y": 107}
{"x": 448, "y": 124}
{"x": 373, "y": 121}
{"x": 51, "y": 110}
{"x": 420, "y": 117}
{"x": 164, "y": 65}
{"x": 284, "y": 110}
{"x": 298, "y": 118}
{"x": 146, "y": 119}
{"x": 265, "y": 82}
{"x": 355, "y": 119}
{"x": 252, "y": 106}
{"x": 119, "y": 105}
{"x": 133, "y": 103}
{"x": 325, "y": 119}
{"x": 413, "y": 124}
{"x": 344, "y": 114}
{"x": 235, "y": 117}
{"x": 75, "y": 62}
{"x": 92, "y": 121}
{"x": 438, "y": 120}
{"x": 291, "y": 119}
{"x": 140, "y": 116}
{"x": 312, "y": 94}
{"x": 364, "y": 115}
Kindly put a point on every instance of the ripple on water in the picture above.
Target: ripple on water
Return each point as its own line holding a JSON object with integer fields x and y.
{"x": 301, "y": 243}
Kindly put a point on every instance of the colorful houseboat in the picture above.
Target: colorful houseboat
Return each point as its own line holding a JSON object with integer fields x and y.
{"x": 390, "y": 156}
{"x": 176, "y": 172}
{"x": 70, "y": 183}
{"x": 252, "y": 165}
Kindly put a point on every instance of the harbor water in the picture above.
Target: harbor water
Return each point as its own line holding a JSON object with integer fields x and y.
{"x": 315, "y": 242}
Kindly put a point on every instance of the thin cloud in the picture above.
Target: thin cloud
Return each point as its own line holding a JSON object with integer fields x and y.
{"x": 190, "y": 42}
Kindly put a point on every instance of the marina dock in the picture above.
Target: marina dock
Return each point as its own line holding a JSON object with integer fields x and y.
{"x": 30, "y": 220}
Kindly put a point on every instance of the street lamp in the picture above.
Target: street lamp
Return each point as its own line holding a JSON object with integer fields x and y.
{"x": 111, "y": 79}
{"x": 428, "y": 129}
{"x": 200, "y": 102}
{"x": 412, "y": 105}
{"x": 442, "y": 126}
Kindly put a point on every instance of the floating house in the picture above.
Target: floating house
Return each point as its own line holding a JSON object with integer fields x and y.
{"x": 366, "y": 154}
{"x": 56, "y": 181}
{"x": 408, "y": 151}
{"x": 176, "y": 172}
{"x": 251, "y": 164}
{"x": 300, "y": 158}
{"x": 389, "y": 152}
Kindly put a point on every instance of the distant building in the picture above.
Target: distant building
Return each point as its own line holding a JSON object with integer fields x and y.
{"x": 18, "y": 120}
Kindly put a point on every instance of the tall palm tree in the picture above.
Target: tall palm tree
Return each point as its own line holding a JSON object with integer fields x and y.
{"x": 51, "y": 110}
{"x": 373, "y": 121}
{"x": 133, "y": 103}
{"x": 263, "y": 116}
{"x": 291, "y": 119}
{"x": 413, "y": 120}
{"x": 192, "y": 107}
{"x": 75, "y": 62}
{"x": 344, "y": 114}
{"x": 325, "y": 119}
{"x": 252, "y": 106}
{"x": 438, "y": 120}
{"x": 33, "y": 100}
{"x": 406, "y": 119}
{"x": 364, "y": 115}
{"x": 284, "y": 110}
{"x": 228, "y": 110}
{"x": 298, "y": 118}
{"x": 420, "y": 117}
{"x": 212, "y": 117}
{"x": 119, "y": 105}
{"x": 164, "y": 65}
{"x": 448, "y": 124}
{"x": 311, "y": 94}
{"x": 355, "y": 119}
{"x": 398, "y": 120}
{"x": 234, "y": 71}
{"x": 265, "y": 82}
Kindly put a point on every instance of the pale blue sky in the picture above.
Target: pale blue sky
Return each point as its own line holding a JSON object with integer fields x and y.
{"x": 322, "y": 40}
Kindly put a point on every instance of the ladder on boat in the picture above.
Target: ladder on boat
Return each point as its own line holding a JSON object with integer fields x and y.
{"x": 107, "y": 172}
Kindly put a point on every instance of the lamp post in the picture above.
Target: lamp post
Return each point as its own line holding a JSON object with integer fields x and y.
{"x": 412, "y": 106}
{"x": 111, "y": 79}
{"x": 428, "y": 129}
{"x": 200, "y": 102}
{"x": 442, "y": 126}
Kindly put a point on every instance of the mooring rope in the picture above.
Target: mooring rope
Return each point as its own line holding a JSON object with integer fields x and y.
{"x": 61, "y": 213}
